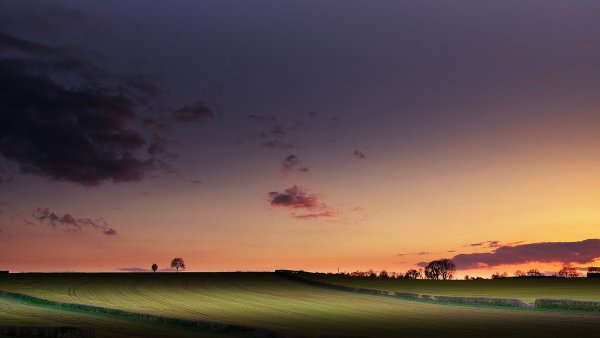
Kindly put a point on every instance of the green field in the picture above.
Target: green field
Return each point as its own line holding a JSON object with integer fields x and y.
{"x": 527, "y": 290}
{"x": 267, "y": 301}
{"x": 18, "y": 314}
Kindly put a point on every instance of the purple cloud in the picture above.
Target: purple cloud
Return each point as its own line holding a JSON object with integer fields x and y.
{"x": 580, "y": 252}
{"x": 359, "y": 155}
{"x": 298, "y": 198}
{"x": 292, "y": 163}
{"x": 294, "y": 197}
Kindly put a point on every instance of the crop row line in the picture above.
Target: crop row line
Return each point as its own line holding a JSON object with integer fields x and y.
{"x": 541, "y": 304}
{"x": 245, "y": 331}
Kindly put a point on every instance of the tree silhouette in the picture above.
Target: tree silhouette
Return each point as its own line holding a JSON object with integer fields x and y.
{"x": 534, "y": 273}
{"x": 499, "y": 275}
{"x": 442, "y": 268}
{"x": 154, "y": 267}
{"x": 412, "y": 274}
{"x": 520, "y": 273}
{"x": 178, "y": 263}
{"x": 568, "y": 272}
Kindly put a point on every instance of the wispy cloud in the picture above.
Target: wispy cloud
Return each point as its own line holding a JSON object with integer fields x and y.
{"x": 291, "y": 164}
{"x": 67, "y": 222}
{"x": 281, "y": 133}
{"x": 420, "y": 253}
{"x": 487, "y": 244}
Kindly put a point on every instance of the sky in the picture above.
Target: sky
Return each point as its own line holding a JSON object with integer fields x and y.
{"x": 314, "y": 135}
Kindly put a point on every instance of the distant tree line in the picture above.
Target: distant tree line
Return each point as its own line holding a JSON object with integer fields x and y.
{"x": 438, "y": 269}
{"x": 444, "y": 269}
{"x": 566, "y": 271}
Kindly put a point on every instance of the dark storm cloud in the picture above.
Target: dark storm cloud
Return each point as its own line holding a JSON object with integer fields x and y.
{"x": 292, "y": 163}
{"x": 65, "y": 119}
{"x": 359, "y": 155}
{"x": 564, "y": 252}
{"x": 298, "y": 198}
{"x": 67, "y": 222}
{"x": 60, "y": 131}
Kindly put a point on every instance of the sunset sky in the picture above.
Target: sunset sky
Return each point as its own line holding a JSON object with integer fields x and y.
{"x": 315, "y": 135}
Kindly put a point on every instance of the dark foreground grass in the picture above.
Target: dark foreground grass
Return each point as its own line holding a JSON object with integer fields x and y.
{"x": 275, "y": 303}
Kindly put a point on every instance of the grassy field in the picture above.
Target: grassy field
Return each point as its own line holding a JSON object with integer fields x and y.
{"x": 272, "y": 302}
{"x": 527, "y": 290}
{"x": 17, "y": 314}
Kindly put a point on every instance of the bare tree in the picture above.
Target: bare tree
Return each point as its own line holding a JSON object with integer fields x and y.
{"x": 534, "y": 273}
{"x": 568, "y": 271}
{"x": 520, "y": 273}
{"x": 383, "y": 274}
{"x": 499, "y": 275}
{"x": 154, "y": 267}
{"x": 178, "y": 263}
{"x": 412, "y": 274}
{"x": 442, "y": 268}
